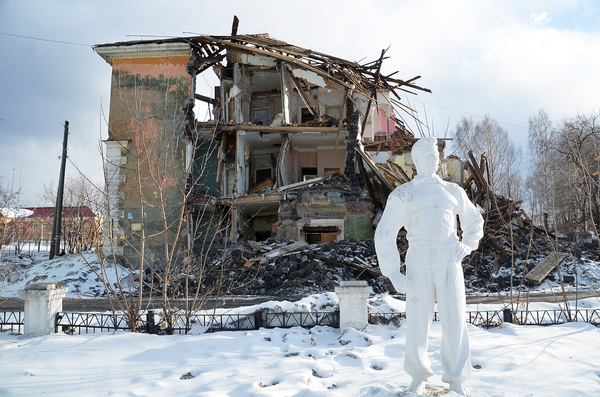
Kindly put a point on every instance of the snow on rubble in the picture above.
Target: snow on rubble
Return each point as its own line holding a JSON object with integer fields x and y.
{"x": 81, "y": 273}
{"x": 284, "y": 269}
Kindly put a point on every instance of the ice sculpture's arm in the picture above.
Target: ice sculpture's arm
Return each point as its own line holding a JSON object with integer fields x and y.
{"x": 471, "y": 222}
{"x": 391, "y": 222}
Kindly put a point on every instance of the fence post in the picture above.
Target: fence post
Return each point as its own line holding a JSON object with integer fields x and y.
{"x": 258, "y": 319}
{"x": 508, "y": 317}
{"x": 150, "y": 324}
{"x": 353, "y": 297}
{"x": 42, "y": 303}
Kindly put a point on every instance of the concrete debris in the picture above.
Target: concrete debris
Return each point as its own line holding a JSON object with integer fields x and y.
{"x": 279, "y": 267}
{"x": 549, "y": 263}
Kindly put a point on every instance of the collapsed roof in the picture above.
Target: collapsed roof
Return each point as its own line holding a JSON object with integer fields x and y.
{"x": 363, "y": 79}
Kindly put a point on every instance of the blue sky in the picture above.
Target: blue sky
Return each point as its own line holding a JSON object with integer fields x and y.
{"x": 503, "y": 58}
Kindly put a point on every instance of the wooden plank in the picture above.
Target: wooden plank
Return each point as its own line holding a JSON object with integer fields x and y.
{"x": 206, "y": 99}
{"x": 267, "y": 129}
{"x": 546, "y": 265}
{"x": 368, "y": 183}
{"x": 260, "y": 186}
{"x": 356, "y": 264}
{"x": 284, "y": 58}
{"x": 400, "y": 170}
{"x": 373, "y": 93}
{"x": 234, "y": 25}
{"x": 295, "y": 246}
{"x": 367, "y": 159}
{"x": 251, "y": 199}
{"x": 478, "y": 173}
{"x": 301, "y": 92}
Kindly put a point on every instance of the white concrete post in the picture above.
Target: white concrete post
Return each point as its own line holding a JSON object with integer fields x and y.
{"x": 353, "y": 296}
{"x": 42, "y": 302}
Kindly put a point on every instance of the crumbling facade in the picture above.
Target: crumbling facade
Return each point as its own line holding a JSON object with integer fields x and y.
{"x": 146, "y": 156}
{"x": 301, "y": 145}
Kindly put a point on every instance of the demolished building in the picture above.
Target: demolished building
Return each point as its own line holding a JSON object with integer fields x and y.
{"x": 302, "y": 145}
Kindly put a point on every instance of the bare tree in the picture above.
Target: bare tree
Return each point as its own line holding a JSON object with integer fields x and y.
{"x": 9, "y": 224}
{"x": 543, "y": 170}
{"x": 503, "y": 157}
{"x": 83, "y": 203}
{"x": 8, "y": 202}
{"x": 578, "y": 150}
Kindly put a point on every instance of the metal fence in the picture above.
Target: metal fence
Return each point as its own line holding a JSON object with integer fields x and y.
{"x": 494, "y": 318}
{"x": 12, "y": 321}
{"x": 26, "y": 247}
{"x": 71, "y": 322}
{"x": 551, "y": 317}
{"x": 181, "y": 324}
{"x": 244, "y": 322}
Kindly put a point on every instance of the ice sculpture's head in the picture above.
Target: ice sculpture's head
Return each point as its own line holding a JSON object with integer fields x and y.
{"x": 426, "y": 157}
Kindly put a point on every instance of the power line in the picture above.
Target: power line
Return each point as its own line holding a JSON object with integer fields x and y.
{"x": 470, "y": 114}
{"x": 41, "y": 39}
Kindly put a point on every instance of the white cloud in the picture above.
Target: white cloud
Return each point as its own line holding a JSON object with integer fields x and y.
{"x": 540, "y": 19}
{"x": 506, "y": 59}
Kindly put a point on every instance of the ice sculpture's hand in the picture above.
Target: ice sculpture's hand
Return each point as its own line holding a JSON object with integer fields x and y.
{"x": 462, "y": 250}
{"x": 400, "y": 282}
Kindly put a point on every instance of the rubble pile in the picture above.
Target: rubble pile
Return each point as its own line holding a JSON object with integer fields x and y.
{"x": 289, "y": 269}
{"x": 489, "y": 270}
{"x": 278, "y": 267}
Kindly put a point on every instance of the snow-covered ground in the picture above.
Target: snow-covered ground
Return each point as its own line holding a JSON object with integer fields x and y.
{"x": 81, "y": 273}
{"x": 510, "y": 360}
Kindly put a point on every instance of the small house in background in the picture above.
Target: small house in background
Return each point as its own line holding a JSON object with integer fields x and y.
{"x": 300, "y": 144}
{"x": 81, "y": 229}
{"x": 9, "y": 215}
{"x": 9, "y": 228}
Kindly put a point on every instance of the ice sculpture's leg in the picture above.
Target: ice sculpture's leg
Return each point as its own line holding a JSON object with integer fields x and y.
{"x": 420, "y": 300}
{"x": 455, "y": 353}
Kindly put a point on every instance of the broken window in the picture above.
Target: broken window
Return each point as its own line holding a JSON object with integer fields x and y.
{"x": 320, "y": 234}
{"x": 262, "y": 174}
{"x": 305, "y": 115}
{"x": 262, "y": 236}
{"x": 261, "y": 117}
{"x": 308, "y": 173}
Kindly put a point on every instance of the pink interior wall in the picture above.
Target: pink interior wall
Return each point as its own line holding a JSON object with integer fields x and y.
{"x": 321, "y": 159}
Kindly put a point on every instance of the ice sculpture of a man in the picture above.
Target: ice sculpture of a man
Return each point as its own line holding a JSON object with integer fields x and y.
{"x": 427, "y": 208}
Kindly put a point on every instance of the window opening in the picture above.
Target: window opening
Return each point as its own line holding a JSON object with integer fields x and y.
{"x": 308, "y": 173}
{"x": 262, "y": 117}
{"x": 306, "y": 115}
{"x": 329, "y": 171}
{"x": 262, "y": 236}
{"x": 320, "y": 234}
{"x": 334, "y": 111}
{"x": 262, "y": 174}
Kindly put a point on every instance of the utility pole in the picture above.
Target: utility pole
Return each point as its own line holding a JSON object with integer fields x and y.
{"x": 56, "y": 225}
